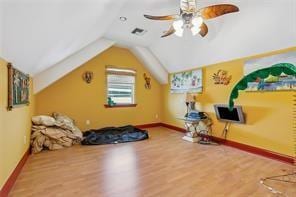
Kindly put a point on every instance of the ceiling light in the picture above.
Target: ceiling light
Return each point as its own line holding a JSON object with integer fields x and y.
{"x": 197, "y": 22}
{"x": 122, "y": 18}
{"x": 192, "y": 16}
{"x": 179, "y": 32}
{"x": 195, "y": 30}
{"x": 178, "y": 26}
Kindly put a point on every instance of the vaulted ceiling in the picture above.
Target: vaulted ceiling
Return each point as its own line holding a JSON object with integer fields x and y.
{"x": 43, "y": 35}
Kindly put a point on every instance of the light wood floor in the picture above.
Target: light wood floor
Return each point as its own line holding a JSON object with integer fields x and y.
{"x": 164, "y": 165}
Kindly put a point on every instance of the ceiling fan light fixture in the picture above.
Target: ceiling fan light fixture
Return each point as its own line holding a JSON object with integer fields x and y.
{"x": 192, "y": 18}
{"x": 197, "y": 21}
{"x": 195, "y": 30}
{"x": 179, "y": 32}
{"x": 178, "y": 26}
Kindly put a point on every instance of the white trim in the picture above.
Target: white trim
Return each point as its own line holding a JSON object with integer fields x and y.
{"x": 57, "y": 71}
{"x": 151, "y": 63}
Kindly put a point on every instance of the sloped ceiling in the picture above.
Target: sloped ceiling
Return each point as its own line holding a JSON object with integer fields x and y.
{"x": 57, "y": 71}
{"x": 39, "y": 34}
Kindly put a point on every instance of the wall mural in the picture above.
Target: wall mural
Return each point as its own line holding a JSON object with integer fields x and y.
{"x": 263, "y": 73}
{"x": 271, "y": 83}
{"x": 189, "y": 81}
{"x": 18, "y": 88}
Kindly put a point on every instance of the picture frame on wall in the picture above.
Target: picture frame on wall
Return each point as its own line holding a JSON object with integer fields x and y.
{"x": 18, "y": 88}
{"x": 188, "y": 81}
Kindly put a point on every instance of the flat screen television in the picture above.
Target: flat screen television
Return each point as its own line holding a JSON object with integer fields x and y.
{"x": 224, "y": 114}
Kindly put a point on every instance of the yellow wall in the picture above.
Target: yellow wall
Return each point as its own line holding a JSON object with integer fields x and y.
{"x": 14, "y": 125}
{"x": 82, "y": 101}
{"x": 269, "y": 114}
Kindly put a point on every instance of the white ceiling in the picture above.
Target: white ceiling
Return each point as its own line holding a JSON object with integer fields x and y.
{"x": 260, "y": 26}
{"x": 38, "y": 34}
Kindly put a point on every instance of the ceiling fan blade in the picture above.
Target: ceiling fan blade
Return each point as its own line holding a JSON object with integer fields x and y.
{"x": 168, "y": 17}
{"x": 203, "y": 30}
{"x": 188, "y": 6}
{"x": 169, "y": 32}
{"x": 217, "y": 10}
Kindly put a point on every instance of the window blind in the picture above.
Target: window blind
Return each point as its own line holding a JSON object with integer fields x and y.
{"x": 120, "y": 71}
{"x": 121, "y": 85}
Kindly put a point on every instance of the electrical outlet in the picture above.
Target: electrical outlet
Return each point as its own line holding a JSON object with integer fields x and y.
{"x": 87, "y": 122}
{"x": 25, "y": 139}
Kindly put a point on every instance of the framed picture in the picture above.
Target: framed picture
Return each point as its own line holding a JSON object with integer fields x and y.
{"x": 18, "y": 88}
{"x": 189, "y": 81}
{"x": 272, "y": 83}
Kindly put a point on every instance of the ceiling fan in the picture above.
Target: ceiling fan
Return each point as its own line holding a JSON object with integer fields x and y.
{"x": 192, "y": 18}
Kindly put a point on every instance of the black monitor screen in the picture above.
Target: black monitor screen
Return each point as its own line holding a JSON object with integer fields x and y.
{"x": 228, "y": 115}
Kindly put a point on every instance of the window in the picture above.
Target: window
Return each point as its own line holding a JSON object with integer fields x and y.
{"x": 121, "y": 86}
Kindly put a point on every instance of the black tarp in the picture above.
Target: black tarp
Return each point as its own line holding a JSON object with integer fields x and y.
{"x": 113, "y": 135}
